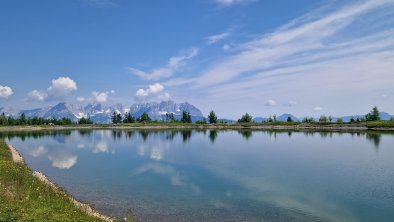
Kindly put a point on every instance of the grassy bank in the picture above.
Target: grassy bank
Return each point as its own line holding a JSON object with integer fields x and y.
{"x": 23, "y": 197}
{"x": 373, "y": 125}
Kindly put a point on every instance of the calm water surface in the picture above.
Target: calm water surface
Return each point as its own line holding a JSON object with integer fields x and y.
{"x": 220, "y": 175}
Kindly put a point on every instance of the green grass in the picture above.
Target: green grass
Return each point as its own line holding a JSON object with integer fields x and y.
{"x": 24, "y": 198}
{"x": 380, "y": 124}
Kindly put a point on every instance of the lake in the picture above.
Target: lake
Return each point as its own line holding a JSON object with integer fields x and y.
{"x": 220, "y": 175}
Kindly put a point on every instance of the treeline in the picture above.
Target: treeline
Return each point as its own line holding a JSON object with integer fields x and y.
{"x": 374, "y": 115}
{"x": 23, "y": 120}
{"x": 144, "y": 118}
{"x": 212, "y": 118}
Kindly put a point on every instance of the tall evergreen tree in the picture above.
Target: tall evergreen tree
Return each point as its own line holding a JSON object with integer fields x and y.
{"x": 374, "y": 115}
{"x": 114, "y": 118}
{"x": 212, "y": 117}
{"x": 119, "y": 118}
{"x": 170, "y": 117}
{"x": 186, "y": 118}
{"x": 128, "y": 118}
{"x": 22, "y": 119}
{"x": 3, "y": 119}
{"x": 145, "y": 118}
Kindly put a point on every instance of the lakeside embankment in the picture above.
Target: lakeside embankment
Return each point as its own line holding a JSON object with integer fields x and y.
{"x": 364, "y": 126}
{"x": 29, "y": 196}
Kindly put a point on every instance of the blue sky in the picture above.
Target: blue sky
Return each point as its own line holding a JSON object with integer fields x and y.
{"x": 306, "y": 57}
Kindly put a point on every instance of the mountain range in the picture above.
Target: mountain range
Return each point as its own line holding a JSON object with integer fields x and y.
{"x": 100, "y": 113}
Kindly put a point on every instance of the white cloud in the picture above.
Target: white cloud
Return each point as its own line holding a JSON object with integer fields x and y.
{"x": 59, "y": 89}
{"x": 164, "y": 96}
{"x": 175, "y": 64}
{"x": 101, "y": 147}
{"x": 152, "y": 90}
{"x": 37, "y": 95}
{"x": 5, "y": 92}
{"x": 100, "y": 97}
{"x": 293, "y": 103}
{"x": 216, "y": 38}
{"x": 174, "y": 176}
{"x": 317, "y": 109}
{"x": 63, "y": 161}
{"x": 39, "y": 151}
{"x": 227, "y": 3}
{"x": 80, "y": 99}
{"x": 384, "y": 95}
{"x": 112, "y": 91}
{"x": 270, "y": 103}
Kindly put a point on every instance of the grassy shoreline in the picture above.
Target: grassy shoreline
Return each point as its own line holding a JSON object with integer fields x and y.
{"x": 374, "y": 125}
{"x": 25, "y": 197}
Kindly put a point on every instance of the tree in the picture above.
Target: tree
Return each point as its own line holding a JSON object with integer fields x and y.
{"x": 330, "y": 119}
{"x": 128, "y": 118}
{"x": 119, "y": 118}
{"x": 212, "y": 117}
{"x": 352, "y": 120}
{"x": 274, "y": 118}
{"x": 186, "y": 118}
{"x": 374, "y": 115}
{"x": 339, "y": 120}
{"x": 289, "y": 119}
{"x": 203, "y": 121}
{"x": 3, "y": 119}
{"x": 323, "y": 119}
{"x": 84, "y": 120}
{"x": 116, "y": 118}
{"x": 170, "y": 117}
{"x": 113, "y": 118}
{"x": 22, "y": 119}
{"x": 308, "y": 120}
{"x": 247, "y": 118}
{"x": 145, "y": 118}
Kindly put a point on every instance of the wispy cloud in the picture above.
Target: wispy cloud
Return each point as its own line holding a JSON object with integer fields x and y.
{"x": 81, "y": 99}
{"x": 175, "y": 64}
{"x": 227, "y": 3}
{"x": 216, "y": 38}
{"x": 285, "y": 44}
{"x": 321, "y": 50}
{"x": 101, "y": 3}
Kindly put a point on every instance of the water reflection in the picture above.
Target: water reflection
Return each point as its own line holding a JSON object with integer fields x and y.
{"x": 247, "y": 134}
{"x": 282, "y": 176}
{"x": 186, "y": 134}
{"x": 213, "y": 134}
{"x": 374, "y": 138}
